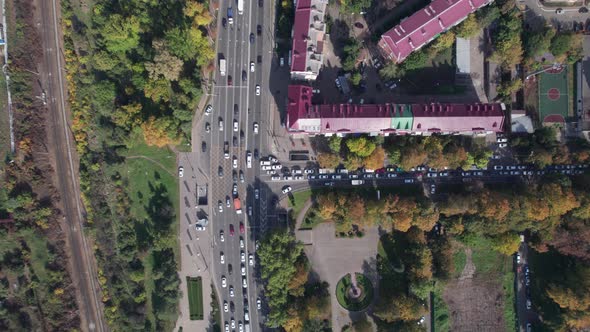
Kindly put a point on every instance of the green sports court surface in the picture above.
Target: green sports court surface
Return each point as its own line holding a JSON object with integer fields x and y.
{"x": 553, "y": 96}
{"x": 195, "y": 298}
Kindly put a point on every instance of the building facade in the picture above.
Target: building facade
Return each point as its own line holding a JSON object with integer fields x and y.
{"x": 308, "y": 36}
{"x": 425, "y": 25}
{"x": 305, "y": 118}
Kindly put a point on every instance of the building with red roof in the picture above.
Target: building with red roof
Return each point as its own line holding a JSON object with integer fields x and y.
{"x": 303, "y": 117}
{"x": 423, "y": 26}
{"x": 308, "y": 39}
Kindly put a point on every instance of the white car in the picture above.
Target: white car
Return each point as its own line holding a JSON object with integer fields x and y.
{"x": 243, "y": 270}
{"x": 287, "y": 189}
{"x": 258, "y": 90}
{"x": 277, "y": 166}
{"x": 241, "y": 243}
{"x": 273, "y": 159}
{"x": 251, "y": 260}
{"x": 255, "y": 127}
{"x": 240, "y": 327}
{"x": 221, "y": 236}
{"x": 220, "y": 124}
{"x": 220, "y": 206}
{"x": 233, "y": 323}
{"x": 231, "y": 291}
{"x": 227, "y": 204}
{"x": 208, "y": 109}
{"x": 235, "y": 125}
{"x": 223, "y": 282}
{"x": 180, "y": 171}
{"x": 225, "y": 306}
{"x": 249, "y": 159}
{"x": 275, "y": 177}
{"x": 221, "y": 258}
{"x": 242, "y": 256}
{"x": 244, "y": 282}
{"x": 265, "y": 168}
{"x": 226, "y": 327}
{"x": 252, "y": 66}
{"x": 502, "y": 145}
{"x": 235, "y": 162}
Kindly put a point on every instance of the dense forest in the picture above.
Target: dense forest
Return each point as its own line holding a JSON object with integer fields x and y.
{"x": 135, "y": 70}
{"x": 36, "y": 292}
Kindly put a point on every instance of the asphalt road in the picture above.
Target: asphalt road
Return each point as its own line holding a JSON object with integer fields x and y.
{"x": 238, "y": 102}
{"x": 53, "y": 83}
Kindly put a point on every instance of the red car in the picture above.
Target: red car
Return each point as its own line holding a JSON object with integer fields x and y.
{"x": 231, "y": 229}
{"x": 241, "y": 227}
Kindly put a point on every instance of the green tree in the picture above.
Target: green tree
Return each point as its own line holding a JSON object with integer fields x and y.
{"x": 487, "y": 15}
{"x": 355, "y": 78}
{"x": 360, "y": 146}
{"x": 468, "y": 28}
{"x": 561, "y": 43}
{"x": 328, "y": 160}
{"x": 507, "y": 42}
{"x": 537, "y": 43}
{"x": 351, "y": 51}
{"x": 164, "y": 64}
{"x": 278, "y": 254}
{"x": 335, "y": 143}
{"x": 391, "y": 71}
{"x": 415, "y": 60}
{"x": 507, "y": 88}
{"x": 398, "y": 307}
{"x": 121, "y": 34}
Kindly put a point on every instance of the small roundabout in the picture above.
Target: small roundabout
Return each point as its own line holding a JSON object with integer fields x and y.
{"x": 354, "y": 293}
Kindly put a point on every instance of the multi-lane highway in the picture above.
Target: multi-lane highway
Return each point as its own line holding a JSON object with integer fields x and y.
{"x": 246, "y": 46}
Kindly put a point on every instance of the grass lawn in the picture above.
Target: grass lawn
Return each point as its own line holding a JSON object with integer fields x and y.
{"x": 4, "y": 122}
{"x": 299, "y": 199}
{"x": 362, "y": 301}
{"x": 436, "y": 77}
{"x": 441, "y": 310}
{"x": 151, "y": 173}
{"x": 195, "y": 297}
{"x": 459, "y": 259}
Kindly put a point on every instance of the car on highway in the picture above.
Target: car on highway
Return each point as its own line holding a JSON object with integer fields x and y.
{"x": 227, "y": 203}
{"x": 243, "y": 269}
{"x": 230, "y": 82}
{"x": 221, "y": 258}
{"x": 255, "y": 126}
{"x": 258, "y": 90}
{"x": 259, "y": 29}
{"x": 208, "y": 109}
{"x": 250, "y": 210}
{"x": 252, "y": 37}
{"x": 244, "y": 282}
{"x": 252, "y": 67}
{"x": 240, "y": 326}
{"x": 229, "y": 269}
{"x": 225, "y": 306}
{"x": 235, "y": 190}
{"x": 232, "y": 307}
{"x": 249, "y": 159}
{"x": 235, "y": 141}
{"x": 528, "y": 304}
{"x": 287, "y": 189}
{"x": 251, "y": 260}
{"x": 231, "y": 291}
{"x": 256, "y": 193}
{"x": 258, "y": 304}
{"x": 226, "y": 326}
{"x": 221, "y": 236}
{"x": 207, "y": 127}
{"x": 233, "y": 323}
{"x": 244, "y": 75}
{"x": 242, "y": 176}
{"x": 241, "y": 242}
{"x": 180, "y": 171}
{"x": 235, "y": 162}
{"x": 231, "y": 230}
{"x": 242, "y": 229}
{"x": 220, "y": 206}
{"x": 223, "y": 282}
{"x": 236, "y": 125}
{"x": 220, "y": 123}
{"x": 220, "y": 171}
{"x": 203, "y": 146}
{"x": 409, "y": 181}
{"x": 242, "y": 256}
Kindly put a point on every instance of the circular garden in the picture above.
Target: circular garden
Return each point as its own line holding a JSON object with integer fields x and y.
{"x": 354, "y": 297}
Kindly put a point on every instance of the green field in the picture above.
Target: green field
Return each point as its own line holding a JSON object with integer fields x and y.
{"x": 153, "y": 188}
{"x": 195, "y": 297}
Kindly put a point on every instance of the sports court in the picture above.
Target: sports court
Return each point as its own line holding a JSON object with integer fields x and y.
{"x": 553, "y": 96}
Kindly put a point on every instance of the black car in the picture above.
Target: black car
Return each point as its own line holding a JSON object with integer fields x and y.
{"x": 259, "y": 29}
{"x": 232, "y": 307}
{"x": 244, "y": 75}
{"x": 229, "y": 269}
{"x": 204, "y": 146}
{"x": 229, "y": 80}
{"x": 220, "y": 171}
{"x": 260, "y": 3}
{"x": 259, "y": 59}
{"x": 224, "y": 22}
{"x": 234, "y": 176}
{"x": 235, "y": 110}
{"x": 241, "y": 134}
{"x": 252, "y": 37}
{"x": 255, "y": 153}
{"x": 235, "y": 140}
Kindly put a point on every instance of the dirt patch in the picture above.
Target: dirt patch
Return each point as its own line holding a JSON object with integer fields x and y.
{"x": 475, "y": 303}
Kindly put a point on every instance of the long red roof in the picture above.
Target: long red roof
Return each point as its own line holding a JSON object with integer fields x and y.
{"x": 300, "y": 33}
{"x": 425, "y": 24}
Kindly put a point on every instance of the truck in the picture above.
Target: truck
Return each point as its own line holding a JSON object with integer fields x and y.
{"x": 357, "y": 182}
{"x": 238, "y": 205}
{"x": 240, "y": 7}
{"x": 230, "y": 15}
{"x": 222, "y": 67}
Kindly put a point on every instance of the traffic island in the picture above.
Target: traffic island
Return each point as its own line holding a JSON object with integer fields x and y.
{"x": 354, "y": 293}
